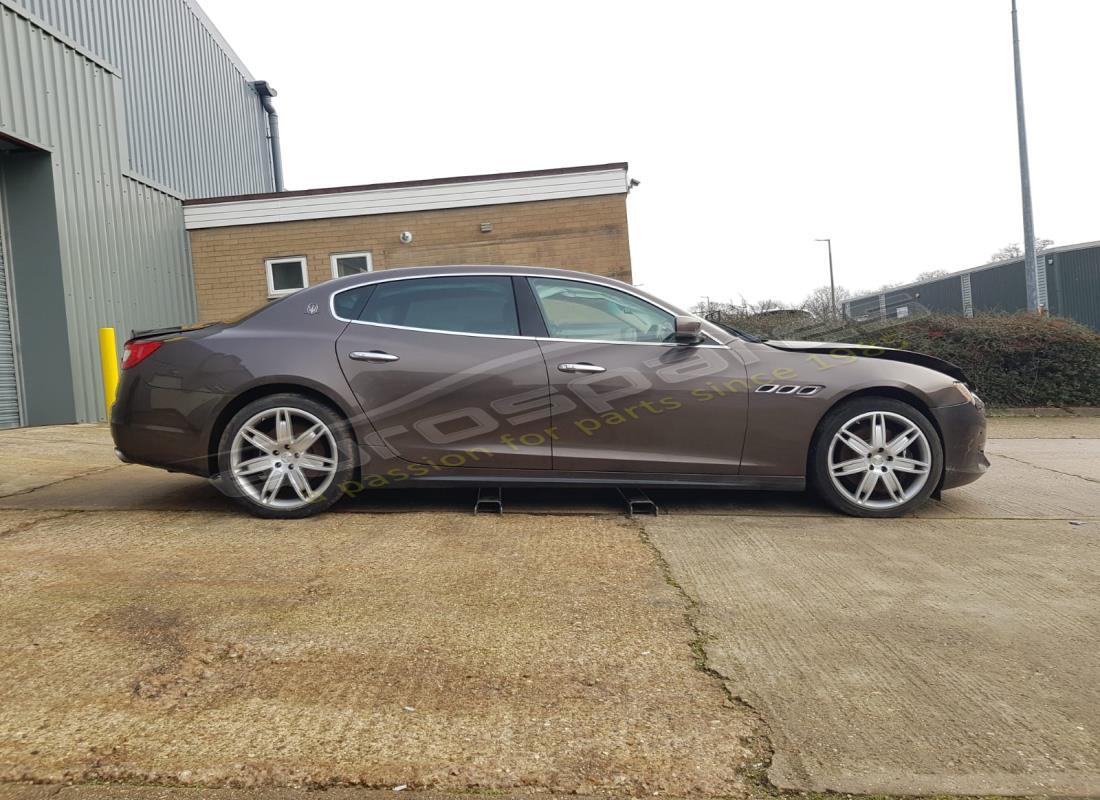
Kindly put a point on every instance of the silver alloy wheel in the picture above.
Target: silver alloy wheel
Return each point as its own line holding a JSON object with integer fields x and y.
{"x": 283, "y": 458}
{"x": 879, "y": 460}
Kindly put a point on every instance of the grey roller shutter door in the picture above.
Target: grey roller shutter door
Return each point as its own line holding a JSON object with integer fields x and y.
{"x": 9, "y": 386}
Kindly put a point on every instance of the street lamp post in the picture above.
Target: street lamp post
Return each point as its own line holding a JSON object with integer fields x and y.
{"x": 832, "y": 285}
{"x": 1031, "y": 267}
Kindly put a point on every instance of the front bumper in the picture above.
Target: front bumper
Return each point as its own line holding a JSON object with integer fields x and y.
{"x": 963, "y": 430}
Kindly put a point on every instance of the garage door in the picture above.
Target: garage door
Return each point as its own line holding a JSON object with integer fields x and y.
{"x": 9, "y": 388}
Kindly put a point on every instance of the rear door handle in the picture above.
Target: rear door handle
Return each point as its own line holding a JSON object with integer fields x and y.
{"x": 581, "y": 367}
{"x": 376, "y": 356}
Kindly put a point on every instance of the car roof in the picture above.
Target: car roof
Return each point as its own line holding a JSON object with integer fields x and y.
{"x": 471, "y": 269}
{"x": 335, "y": 285}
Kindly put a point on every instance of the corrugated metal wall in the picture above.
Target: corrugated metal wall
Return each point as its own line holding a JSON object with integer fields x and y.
{"x": 943, "y": 296}
{"x": 124, "y": 251}
{"x": 863, "y": 307}
{"x": 904, "y": 300}
{"x": 193, "y": 122}
{"x": 1000, "y": 288}
{"x": 1073, "y": 281}
{"x": 9, "y": 386}
{"x": 1069, "y": 283}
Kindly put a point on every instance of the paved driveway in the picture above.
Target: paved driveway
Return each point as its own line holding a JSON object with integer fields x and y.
{"x": 958, "y": 652}
{"x": 151, "y": 632}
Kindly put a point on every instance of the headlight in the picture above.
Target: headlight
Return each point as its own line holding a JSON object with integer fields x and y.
{"x": 965, "y": 394}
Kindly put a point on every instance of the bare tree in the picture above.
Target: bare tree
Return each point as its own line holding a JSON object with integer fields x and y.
{"x": 931, "y": 274}
{"x": 1015, "y": 250}
{"x": 1010, "y": 252}
{"x": 731, "y": 310}
{"x": 819, "y": 302}
{"x": 767, "y": 304}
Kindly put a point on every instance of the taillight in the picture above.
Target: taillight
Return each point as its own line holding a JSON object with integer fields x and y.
{"x": 133, "y": 353}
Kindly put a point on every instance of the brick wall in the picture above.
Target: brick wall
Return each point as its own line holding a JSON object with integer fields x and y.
{"x": 587, "y": 234}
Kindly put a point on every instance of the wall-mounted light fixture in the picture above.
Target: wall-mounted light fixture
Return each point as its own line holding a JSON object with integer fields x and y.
{"x": 406, "y": 237}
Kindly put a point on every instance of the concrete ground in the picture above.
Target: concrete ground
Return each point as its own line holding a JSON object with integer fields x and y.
{"x": 423, "y": 649}
{"x": 151, "y": 633}
{"x": 954, "y": 652}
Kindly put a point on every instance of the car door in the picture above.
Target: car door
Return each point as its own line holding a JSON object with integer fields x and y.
{"x": 434, "y": 362}
{"x": 627, "y": 397}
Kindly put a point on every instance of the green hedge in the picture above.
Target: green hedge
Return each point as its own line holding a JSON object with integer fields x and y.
{"x": 1011, "y": 359}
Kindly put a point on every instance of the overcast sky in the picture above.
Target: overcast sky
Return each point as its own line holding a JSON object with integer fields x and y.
{"x": 754, "y": 127}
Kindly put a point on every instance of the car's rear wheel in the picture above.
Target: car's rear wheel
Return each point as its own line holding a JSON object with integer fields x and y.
{"x": 286, "y": 456}
{"x": 876, "y": 457}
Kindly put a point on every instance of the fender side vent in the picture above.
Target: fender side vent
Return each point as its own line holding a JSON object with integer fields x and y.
{"x": 788, "y": 388}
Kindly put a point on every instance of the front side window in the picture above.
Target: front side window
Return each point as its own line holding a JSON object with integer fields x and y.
{"x": 285, "y": 275}
{"x": 575, "y": 310}
{"x": 461, "y": 304}
{"x": 344, "y": 264}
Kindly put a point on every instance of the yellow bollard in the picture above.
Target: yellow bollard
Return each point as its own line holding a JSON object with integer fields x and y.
{"x": 108, "y": 363}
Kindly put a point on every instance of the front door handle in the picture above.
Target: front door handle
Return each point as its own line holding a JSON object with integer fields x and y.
{"x": 376, "y": 356}
{"x": 581, "y": 367}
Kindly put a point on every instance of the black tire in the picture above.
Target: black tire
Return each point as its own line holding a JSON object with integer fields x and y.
{"x": 341, "y": 447}
{"x": 848, "y": 411}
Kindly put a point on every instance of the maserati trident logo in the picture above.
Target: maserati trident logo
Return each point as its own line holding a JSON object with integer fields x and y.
{"x": 312, "y": 308}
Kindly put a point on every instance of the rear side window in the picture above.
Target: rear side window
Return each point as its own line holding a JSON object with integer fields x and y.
{"x": 347, "y": 305}
{"x": 461, "y": 304}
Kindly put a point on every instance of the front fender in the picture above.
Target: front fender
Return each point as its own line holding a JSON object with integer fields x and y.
{"x": 781, "y": 427}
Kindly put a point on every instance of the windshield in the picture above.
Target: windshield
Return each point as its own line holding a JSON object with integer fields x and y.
{"x": 751, "y": 337}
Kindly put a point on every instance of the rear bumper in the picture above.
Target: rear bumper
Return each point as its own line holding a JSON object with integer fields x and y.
{"x": 963, "y": 429}
{"x": 152, "y": 447}
{"x": 163, "y": 427}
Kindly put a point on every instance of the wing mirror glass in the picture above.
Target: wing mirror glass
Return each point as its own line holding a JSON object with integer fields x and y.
{"x": 688, "y": 329}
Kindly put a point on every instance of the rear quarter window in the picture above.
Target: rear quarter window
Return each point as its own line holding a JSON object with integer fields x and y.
{"x": 349, "y": 304}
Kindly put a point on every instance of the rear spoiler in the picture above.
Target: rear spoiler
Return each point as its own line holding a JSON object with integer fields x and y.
{"x": 154, "y": 333}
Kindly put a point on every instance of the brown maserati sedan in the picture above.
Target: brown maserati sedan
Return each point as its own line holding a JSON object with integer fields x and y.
{"x": 499, "y": 376}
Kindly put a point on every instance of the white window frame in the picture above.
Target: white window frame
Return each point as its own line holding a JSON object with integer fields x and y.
{"x": 336, "y": 269}
{"x": 268, "y": 262}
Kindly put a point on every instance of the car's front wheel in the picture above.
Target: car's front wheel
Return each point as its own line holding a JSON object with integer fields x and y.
{"x": 286, "y": 456}
{"x": 876, "y": 457}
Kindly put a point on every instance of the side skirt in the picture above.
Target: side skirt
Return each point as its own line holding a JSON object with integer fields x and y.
{"x": 533, "y": 478}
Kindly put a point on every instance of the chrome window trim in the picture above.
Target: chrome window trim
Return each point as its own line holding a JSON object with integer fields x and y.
{"x": 332, "y": 310}
{"x": 525, "y": 338}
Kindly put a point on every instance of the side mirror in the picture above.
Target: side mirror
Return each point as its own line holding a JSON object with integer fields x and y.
{"x": 688, "y": 330}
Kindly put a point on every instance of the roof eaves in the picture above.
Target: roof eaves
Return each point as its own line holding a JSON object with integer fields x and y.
{"x": 408, "y": 184}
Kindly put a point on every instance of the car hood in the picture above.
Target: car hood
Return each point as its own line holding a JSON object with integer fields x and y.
{"x": 870, "y": 351}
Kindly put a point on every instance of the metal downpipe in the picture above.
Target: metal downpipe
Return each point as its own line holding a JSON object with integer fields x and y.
{"x": 266, "y": 93}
